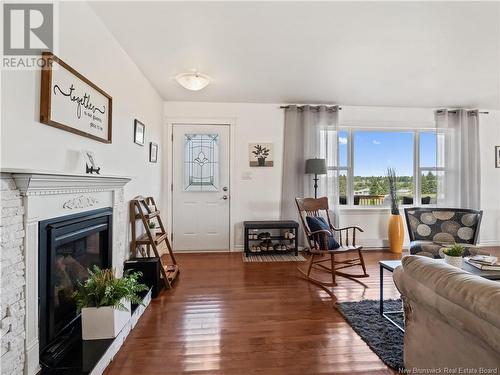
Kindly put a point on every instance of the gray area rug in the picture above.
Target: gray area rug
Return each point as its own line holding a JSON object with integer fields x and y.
{"x": 273, "y": 258}
{"x": 381, "y": 336}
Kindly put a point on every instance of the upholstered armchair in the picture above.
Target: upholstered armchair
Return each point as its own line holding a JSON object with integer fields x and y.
{"x": 433, "y": 229}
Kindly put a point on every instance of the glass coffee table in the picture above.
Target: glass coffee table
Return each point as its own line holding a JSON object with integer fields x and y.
{"x": 390, "y": 265}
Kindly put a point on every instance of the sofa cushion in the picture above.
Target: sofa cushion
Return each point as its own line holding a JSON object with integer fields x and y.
{"x": 435, "y": 250}
{"x": 425, "y": 248}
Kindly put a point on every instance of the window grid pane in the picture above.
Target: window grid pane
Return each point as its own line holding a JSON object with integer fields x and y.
{"x": 374, "y": 152}
{"x": 428, "y": 167}
{"x": 201, "y": 162}
{"x": 343, "y": 151}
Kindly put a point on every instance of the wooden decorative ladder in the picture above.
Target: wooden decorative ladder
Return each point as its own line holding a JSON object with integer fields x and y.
{"x": 145, "y": 209}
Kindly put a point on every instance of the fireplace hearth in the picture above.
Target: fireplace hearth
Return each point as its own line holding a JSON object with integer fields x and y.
{"x": 68, "y": 246}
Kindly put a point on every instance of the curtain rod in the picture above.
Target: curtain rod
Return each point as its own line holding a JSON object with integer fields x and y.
{"x": 311, "y": 105}
{"x": 340, "y": 108}
{"x": 468, "y": 110}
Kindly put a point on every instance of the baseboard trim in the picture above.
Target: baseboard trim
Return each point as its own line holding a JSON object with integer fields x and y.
{"x": 204, "y": 251}
{"x": 374, "y": 243}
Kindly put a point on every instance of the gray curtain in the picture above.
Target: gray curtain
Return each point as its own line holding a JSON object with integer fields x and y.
{"x": 310, "y": 132}
{"x": 458, "y": 159}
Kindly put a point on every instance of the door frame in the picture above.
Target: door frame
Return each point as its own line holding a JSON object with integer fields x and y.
{"x": 169, "y": 162}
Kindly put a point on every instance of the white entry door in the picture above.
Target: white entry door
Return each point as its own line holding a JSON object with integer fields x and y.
{"x": 201, "y": 192}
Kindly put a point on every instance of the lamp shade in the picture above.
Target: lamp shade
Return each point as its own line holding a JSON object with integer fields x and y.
{"x": 315, "y": 166}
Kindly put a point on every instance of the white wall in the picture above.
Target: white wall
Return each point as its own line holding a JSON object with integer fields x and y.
{"x": 490, "y": 179}
{"x": 259, "y": 198}
{"x": 86, "y": 45}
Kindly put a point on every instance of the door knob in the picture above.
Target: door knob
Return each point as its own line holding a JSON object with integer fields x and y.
{"x": 225, "y": 188}
{"x": 225, "y": 197}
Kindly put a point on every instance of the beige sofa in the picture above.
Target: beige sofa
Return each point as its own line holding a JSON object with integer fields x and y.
{"x": 452, "y": 318}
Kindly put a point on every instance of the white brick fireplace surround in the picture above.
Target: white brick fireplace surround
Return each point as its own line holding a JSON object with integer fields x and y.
{"x": 27, "y": 198}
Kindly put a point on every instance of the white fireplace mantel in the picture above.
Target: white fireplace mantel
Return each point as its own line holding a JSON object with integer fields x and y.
{"x": 48, "y": 195}
{"x": 36, "y": 182}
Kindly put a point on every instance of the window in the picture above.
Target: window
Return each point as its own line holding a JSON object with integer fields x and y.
{"x": 428, "y": 167}
{"x": 364, "y": 156}
{"x": 373, "y": 153}
{"x": 343, "y": 170}
{"x": 330, "y": 153}
{"x": 201, "y": 162}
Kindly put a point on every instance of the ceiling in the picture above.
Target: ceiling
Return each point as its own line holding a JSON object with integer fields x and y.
{"x": 417, "y": 54}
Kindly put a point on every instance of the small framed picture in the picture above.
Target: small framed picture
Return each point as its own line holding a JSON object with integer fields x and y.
{"x": 139, "y": 130}
{"x": 497, "y": 156}
{"x": 153, "y": 152}
{"x": 90, "y": 162}
{"x": 260, "y": 154}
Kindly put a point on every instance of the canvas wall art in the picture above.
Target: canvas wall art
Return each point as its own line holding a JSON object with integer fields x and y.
{"x": 261, "y": 154}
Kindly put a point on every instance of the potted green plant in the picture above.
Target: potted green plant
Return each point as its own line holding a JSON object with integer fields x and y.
{"x": 105, "y": 300}
{"x": 453, "y": 255}
{"x": 152, "y": 227}
{"x": 261, "y": 153}
{"x": 396, "y": 228}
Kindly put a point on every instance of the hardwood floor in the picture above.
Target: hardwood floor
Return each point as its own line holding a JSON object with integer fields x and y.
{"x": 229, "y": 317}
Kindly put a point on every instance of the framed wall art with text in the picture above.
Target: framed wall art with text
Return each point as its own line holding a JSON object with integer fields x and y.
{"x": 71, "y": 102}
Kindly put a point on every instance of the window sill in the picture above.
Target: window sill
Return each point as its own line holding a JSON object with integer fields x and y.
{"x": 356, "y": 210}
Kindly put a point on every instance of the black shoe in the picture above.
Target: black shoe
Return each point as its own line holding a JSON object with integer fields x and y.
{"x": 264, "y": 236}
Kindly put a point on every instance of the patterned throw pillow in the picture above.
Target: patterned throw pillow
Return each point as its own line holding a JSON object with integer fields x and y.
{"x": 318, "y": 223}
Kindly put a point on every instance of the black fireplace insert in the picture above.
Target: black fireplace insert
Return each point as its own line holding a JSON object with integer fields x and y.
{"x": 68, "y": 247}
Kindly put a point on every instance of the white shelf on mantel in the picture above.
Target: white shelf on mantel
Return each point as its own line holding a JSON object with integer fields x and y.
{"x": 35, "y": 180}
{"x": 58, "y": 173}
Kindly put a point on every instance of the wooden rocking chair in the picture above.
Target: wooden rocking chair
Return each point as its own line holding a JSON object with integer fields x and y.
{"x": 319, "y": 239}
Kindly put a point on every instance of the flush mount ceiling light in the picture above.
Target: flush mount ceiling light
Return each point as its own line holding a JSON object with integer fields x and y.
{"x": 193, "y": 81}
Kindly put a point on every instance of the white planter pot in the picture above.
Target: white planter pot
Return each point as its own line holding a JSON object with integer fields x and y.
{"x": 454, "y": 261}
{"x": 103, "y": 322}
